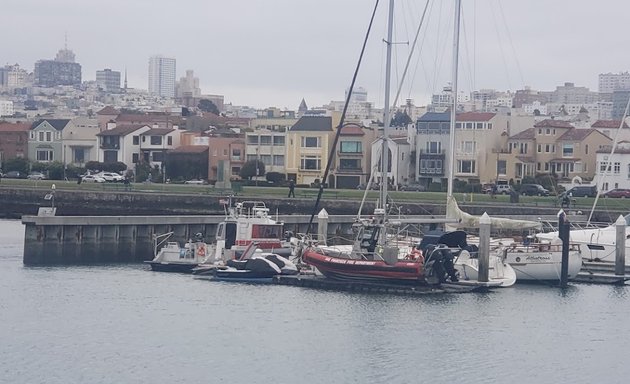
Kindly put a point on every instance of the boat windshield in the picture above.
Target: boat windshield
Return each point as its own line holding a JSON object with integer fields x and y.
{"x": 269, "y": 231}
{"x": 627, "y": 218}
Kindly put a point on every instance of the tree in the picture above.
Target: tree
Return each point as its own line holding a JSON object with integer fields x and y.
{"x": 208, "y": 106}
{"x": 401, "y": 119}
{"x": 19, "y": 164}
{"x": 252, "y": 168}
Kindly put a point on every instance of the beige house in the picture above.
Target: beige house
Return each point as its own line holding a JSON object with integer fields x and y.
{"x": 555, "y": 147}
{"x": 353, "y": 156}
{"x": 477, "y": 138}
{"x": 308, "y": 143}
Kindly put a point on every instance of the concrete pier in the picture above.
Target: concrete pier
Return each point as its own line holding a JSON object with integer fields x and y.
{"x": 96, "y": 239}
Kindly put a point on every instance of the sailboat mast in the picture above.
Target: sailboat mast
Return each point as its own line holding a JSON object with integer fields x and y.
{"x": 386, "y": 118}
{"x": 452, "y": 165}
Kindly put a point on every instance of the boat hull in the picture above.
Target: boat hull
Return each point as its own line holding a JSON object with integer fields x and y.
{"x": 339, "y": 268}
{"x": 543, "y": 267}
{"x": 171, "y": 267}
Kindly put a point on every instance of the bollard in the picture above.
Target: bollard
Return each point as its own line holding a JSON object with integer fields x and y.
{"x": 322, "y": 226}
{"x": 620, "y": 246}
{"x": 564, "y": 234}
{"x": 484, "y": 248}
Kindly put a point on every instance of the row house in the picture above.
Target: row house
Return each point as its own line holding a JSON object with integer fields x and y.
{"x": 613, "y": 129}
{"x": 352, "y": 157}
{"x": 398, "y": 159}
{"x": 131, "y": 144}
{"x": 269, "y": 147}
{"x": 226, "y": 155}
{"x": 79, "y": 141}
{"x": 614, "y": 170}
{"x": 308, "y": 146}
{"x": 553, "y": 146}
{"x": 13, "y": 141}
{"x": 45, "y": 142}
{"x": 432, "y": 142}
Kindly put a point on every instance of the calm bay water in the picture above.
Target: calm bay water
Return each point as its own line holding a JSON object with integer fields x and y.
{"x": 124, "y": 324}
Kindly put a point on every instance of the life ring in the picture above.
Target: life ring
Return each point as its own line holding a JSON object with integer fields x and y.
{"x": 201, "y": 250}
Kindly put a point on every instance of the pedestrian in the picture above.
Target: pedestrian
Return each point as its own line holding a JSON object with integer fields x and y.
{"x": 291, "y": 188}
{"x": 127, "y": 184}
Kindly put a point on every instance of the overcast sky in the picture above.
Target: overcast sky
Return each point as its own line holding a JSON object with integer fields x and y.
{"x": 276, "y": 52}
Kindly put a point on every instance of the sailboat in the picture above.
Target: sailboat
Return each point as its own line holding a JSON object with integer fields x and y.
{"x": 374, "y": 256}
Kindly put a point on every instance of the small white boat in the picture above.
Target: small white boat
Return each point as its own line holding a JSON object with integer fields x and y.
{"x": 173, "y": 258}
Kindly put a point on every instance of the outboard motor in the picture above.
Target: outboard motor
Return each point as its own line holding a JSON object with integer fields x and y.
{"x": 438, "y": 265}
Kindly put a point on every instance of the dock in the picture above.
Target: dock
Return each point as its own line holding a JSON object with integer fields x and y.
{"x": 323, "y": 283}
{"x": 601, "y": 273}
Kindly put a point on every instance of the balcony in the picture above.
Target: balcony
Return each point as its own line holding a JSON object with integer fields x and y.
{"x": 347, "y": 170}
{"x": 351, "y": 154}
{"x": 110, "y": 146}
{"x": 431, "y": 172}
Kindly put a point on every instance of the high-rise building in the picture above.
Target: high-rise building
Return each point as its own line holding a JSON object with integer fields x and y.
{"x": 108, "y": 80}
{"x": 162, "y": 76}
{"x": 188, "y": 86}
{"x": 61, "y": 71}
{"x": 610, "y": 82}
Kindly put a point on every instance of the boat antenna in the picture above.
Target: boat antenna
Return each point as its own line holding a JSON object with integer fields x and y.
{"x": 341, "y": 124}
{"x": 606, "y": 172}
{"x": 451, "y": 168}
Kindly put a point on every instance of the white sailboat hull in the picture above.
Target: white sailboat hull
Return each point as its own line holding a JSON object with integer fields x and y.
{"x": 498, "y": 271}
{"x": 533, "y": 265}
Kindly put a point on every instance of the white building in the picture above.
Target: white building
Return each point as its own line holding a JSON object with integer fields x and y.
{"x": 108, "y": 80}
{"x": 188, "y": 86}
{"x": 610, "y": 82}
{"x": 618, "y": 176}
{"x": 268, "y": 147}
{"x": 162, "y": 76}
{"x": 6, "y": 108}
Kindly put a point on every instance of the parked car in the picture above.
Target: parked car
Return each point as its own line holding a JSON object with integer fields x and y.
{"x": 36, "y": 176}
{"x": 413, "y": 187}
{"x": 196, "y": 181}
{"x": 534, "y": 190}
{"x": 111, "y": 177}
{"x": 504, "y": 189}
{"x": 583, "y": 191}
{"x": 362, "y": 186}
{"x": 92, "y": 179}
{"x": 14, "y": 175}
{"x": 618, "y": 192}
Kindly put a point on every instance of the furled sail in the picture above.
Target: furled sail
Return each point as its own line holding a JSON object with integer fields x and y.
{"x": 466, "y": 220}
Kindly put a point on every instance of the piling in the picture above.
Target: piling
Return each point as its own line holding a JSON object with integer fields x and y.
{"x": 322, "y": 225}
{"x": 563, "y": 232}
{"x": 620, "y": 246}
{"x": 484, "y": 248}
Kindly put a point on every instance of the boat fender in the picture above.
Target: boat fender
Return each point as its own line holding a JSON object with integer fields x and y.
{"x": 201, "y": 250}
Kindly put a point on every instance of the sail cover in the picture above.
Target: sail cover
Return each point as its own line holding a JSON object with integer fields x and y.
{"x": 466, "y": 220}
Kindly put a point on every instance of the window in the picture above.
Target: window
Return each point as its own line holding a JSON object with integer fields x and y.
{"x": 567, "y": 150}
{"x": 310, "y": 142}
{"x": 312, "y": 163}
{"x": 502, "y": 167}
{"x": 490, "y": 125}
{"x": 468, "y": 147}
{"x": 547, "y": 148}
{"x": 134, "y": 158}
{"x": 351, "y": 147}
{"x": 539, "y": 148}
{"x": 236, "y": 171}
{"x": 265, "y": 140}
{"x": 603, "y": 166}
{"x": 158, "y": 156}
{"x": 44, "y": 155}
{"x": 78, "y": 155}
{"x": 156, "y": 140}
{"x": 350, "y": 164}
{"x": 586, "y": 149}
{"x": 548, "y": 131}
{"x": 252, "y": 139}
{"x": 466, "y": 166}
{"x": 278, "y": 160}
{"x": 434, "y": 147}
{"x": 266, "y": 159}
{"x": 136, "y": 140}
{"x": 110, "y": 156}
{"x": 32, "y": 135}
{"x": 251, "y": 157}
{"x": 538, "y": 167}
{"x": 479, "y": 126}
{"x": 278, "y": 140}
{"x": 236, "y": 153}
{"x": 547, "y": 167}
{"x": 49, "y": 136}
{"x": 169, "y": 140}
{"x": 225, "y": 152}
{"x": 617, "y": 168}
{"x": 40, "y": 136}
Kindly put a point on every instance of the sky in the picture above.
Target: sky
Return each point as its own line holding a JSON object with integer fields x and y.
{"x": 266, "y": 53}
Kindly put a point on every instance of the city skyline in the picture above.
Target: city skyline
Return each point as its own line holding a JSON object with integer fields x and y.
{"x": 262, "y": 54}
